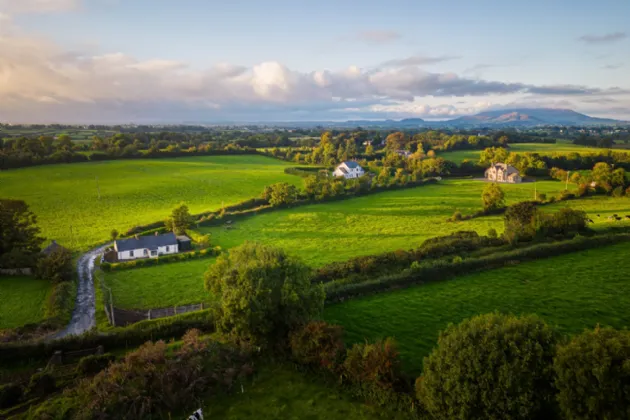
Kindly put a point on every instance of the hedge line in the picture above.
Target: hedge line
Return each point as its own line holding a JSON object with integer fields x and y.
{"x": 131, "y": 336}
{"x": 164, "y": 259}
{"x": 304, "y": 171}
{"x": 442, "y": 269}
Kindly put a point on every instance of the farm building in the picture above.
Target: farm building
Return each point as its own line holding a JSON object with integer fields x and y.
{"x": 501, "y": 172}
{"x": 349, "y": 170}
{"x": 146, "y": 246}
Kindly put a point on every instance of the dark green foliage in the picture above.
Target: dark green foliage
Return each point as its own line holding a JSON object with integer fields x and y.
{"x": 10, "y": 395}
{"x": 492, "y": 197}
{"x": 152, "y": 381}
{"x": 317, "y": 344}
{"x": 56, "y": 266}
{"x": 490, "y": 367}
{"x": 91, "y": 365}
{"x": 374, "y": 370}
{"x": 163, "y": 259}
{"x": 264, "y": 293}
{"x": 41, "y": 384}
{"x": 180, "y": 220}
{"x": 593, "y": 375}
{"x": 520, "y": 221}
{"x": 19, "y": 235}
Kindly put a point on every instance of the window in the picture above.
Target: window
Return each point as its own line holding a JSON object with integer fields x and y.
{"x": 167, "y": 250}
{"x": 131, "y": 253}
{"x": 145, "y": 252}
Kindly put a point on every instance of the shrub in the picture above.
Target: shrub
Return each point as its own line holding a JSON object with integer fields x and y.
{"x": 490, "y": 366}
{"x": 91, "y": 365}
{"x": 264, "y": 293}
{"x": 492, "y": 233}
{"x": 457, "y": 216}
{"x": 593, "y": 375}
{"x": 10, "y": 395}
{"x": 374, "y": 369}
{"x": 493, "y": 197}
{"x": 317, "y": 344}
{"x": 41, "y": 384}
{"x": 618, "y": 191}
{"x": 56, "y": 266}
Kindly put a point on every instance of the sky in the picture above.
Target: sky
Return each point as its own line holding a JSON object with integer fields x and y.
{"x": 204, "y": 61}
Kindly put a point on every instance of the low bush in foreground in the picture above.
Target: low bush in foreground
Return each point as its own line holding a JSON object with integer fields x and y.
{"x": 317, "y": 344}
{"x": 91, "y": 365}
{"x": 10, "y": 395}
{"x": 490, "y": 366}
{"x": 593, "y": 375}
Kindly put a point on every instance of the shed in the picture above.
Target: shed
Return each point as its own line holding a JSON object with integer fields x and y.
{"x": 184, "y": 242}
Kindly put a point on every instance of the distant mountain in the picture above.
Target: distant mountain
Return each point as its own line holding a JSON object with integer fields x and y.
{"x": 530, "y": 117}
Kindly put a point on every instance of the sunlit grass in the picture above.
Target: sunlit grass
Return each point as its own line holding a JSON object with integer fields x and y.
{"x": 22, "y": 300}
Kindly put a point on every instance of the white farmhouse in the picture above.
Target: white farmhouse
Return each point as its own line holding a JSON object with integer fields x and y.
{"x": 146, "y": 246}
{"x": 349, "y": 170}
{"x": 501, "y": 172}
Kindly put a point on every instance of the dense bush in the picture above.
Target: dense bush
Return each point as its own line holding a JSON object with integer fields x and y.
{"x": 490, "y": 366}
{"x": 163, "y": 259}
{"x": 593, "y": 375}
{"x": 264, "y": 293}
{"x": 56, "y": 266}
{"x": 93, "y": 364}
{"x": 10, "y": 395}
{"x": 41, "y": 384}
{"x": 152, "y": 380}
{"x": 374, "y": 370}
{"x": 317, "y": 344}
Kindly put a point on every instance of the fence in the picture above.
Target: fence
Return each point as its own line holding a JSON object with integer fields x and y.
{"x": 16, "y": 271}
{"x": 122, "y": 317}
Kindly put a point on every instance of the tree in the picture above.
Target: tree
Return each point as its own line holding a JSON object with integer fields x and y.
{"x": 113, "y": 234}
{"x": 618, "y": 177}
{"x": 593, "y": 375}
{"x": 283, "y": 193}
{"x": 602, "y": 173}
{"x": 20, "y": 242}
{"x": 490, "y": 367}
{"x": 351, "y": 148}
{"x": 492, "y": 197}
{"x": 264, "y": 293}
{"x": 64, "y": 142}
{"x": 369, "y": 149}
{"x": 396, "y": 141}
{"x": 56, "y": 266}
{"x": 180, "y": 220}
{"x": 520, "y": 221}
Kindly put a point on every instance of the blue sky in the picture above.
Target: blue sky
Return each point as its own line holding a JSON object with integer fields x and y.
{"x": 244, "y": 60}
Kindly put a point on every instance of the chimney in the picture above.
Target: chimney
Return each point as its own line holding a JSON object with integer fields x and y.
{"x": 156, "y": 233}
{"x": 137, "y": 236}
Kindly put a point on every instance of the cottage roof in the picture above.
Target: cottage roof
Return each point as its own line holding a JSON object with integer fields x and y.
{"x": 51, "y": 248}
{"x": 505, "y": 167}
{"x": 350, "y": 164}
{"x": 183, "y": 238}
{"x": 142, "y": 242}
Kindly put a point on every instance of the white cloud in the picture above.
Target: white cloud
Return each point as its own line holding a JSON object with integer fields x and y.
{"x": 39, "y": 81}
{"x": 37, "y": 6}
{"x": 418, "y": 60}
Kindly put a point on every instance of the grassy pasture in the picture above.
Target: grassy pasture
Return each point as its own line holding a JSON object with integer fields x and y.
{"x": 403, "y": 219}
{"x": 543, "y": 149}
{"x": 571, "y": 292}
{"x": 160, "y": 286}
{"x": 22, "y": 300}
{"x": 134, "y": 192}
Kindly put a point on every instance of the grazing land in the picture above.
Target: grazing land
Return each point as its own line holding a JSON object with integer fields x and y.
{"x": 403, "y": 219}
{"x": 571, "y": 292}
{"x": 281, "y": 392}
{"x": 134, "y": 192}
{"x": 540, "y": 148}
{"x": 160, "y": 286}
{"x": 22, "y": 300}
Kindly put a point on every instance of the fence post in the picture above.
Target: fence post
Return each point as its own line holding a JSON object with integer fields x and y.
{"x": 111, "y": 306}
{"x": 149, "y": 314}
{"x": 202, "y": 306}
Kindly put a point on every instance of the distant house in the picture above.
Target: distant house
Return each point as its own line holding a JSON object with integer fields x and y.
{"x": 501, "y": 172}
{"x": 54, "y": 246}
{"x": 404, "y": 153}
{"x": 146, "y": 246}
{"x": 349, "y": 170}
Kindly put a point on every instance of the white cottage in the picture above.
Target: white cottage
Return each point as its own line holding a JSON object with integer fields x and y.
{"x": 146, "y": 246}
{"x": 501, "y": 172}
{"x": 349, "y": 170}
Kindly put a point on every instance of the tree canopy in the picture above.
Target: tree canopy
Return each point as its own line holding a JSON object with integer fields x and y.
{"x": 493, "y": 197}
{"x": 20, "y": 242}
{"x": 180, "y": 220}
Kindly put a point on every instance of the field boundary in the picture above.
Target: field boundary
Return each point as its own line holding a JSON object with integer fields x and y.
{"x": 119, "y": 317}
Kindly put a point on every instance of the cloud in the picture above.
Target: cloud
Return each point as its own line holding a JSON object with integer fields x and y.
{"x": 37, "y": 6}
{"x": 378, "y": 36}
{"x": 612, "y": 66}
{"x": 418, "y": 60}
{"x": 41, "y": 82}
{"x": 603, "y": 39}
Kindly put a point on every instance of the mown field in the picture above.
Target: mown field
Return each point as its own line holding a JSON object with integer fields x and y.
{"x": 134, "y": 192}
{"x": 571, "y": 292}
{"x": 22, "y": 300}
{"x": 281, "y": 392}
{"x": 543, "y": 149}
{"x": 160, "y": 286}
{"x": 403, "y": 219}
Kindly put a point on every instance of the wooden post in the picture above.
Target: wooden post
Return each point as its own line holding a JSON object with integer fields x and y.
{"x": 566, "y": 185}
{"x": 149, "y": 314}
{"x": 202, "y": 306}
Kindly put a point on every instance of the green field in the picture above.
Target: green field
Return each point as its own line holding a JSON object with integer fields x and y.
{"x": 160, "y": 286}
{"x": 22, "y": 300}
{"x": 280, "y": 392}
{"x": 134, "y": 192}
{"x": 571, "y": 292}
{"x": 403, "y": 219}
{"x": 543, "y": 149}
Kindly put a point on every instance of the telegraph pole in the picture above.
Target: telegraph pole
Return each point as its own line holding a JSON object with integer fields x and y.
{"x": 566, "y": 184}
{"x": 535, "y": 190}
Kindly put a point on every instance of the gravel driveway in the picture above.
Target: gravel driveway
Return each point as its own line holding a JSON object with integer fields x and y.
{"x": 83, "y": 317}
